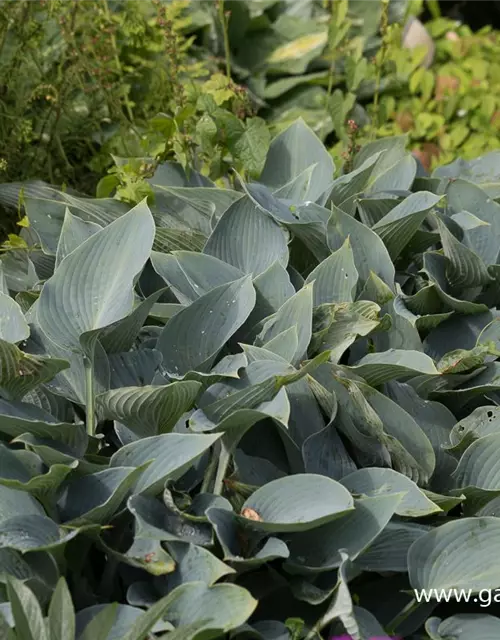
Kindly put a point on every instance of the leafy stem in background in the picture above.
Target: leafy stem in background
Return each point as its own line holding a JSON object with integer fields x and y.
{"x": 224, "y": 21}
{"x": 379, "y": 61}
{"x": 89, "y": 395}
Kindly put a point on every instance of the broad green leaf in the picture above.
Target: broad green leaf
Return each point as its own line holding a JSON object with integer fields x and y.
{"x": 370, "y": 253}
{"x": 478, "y": 472}
{"x": 399, "y": 226}
{"x": 458, "y": 554}
{"x": 170, "y": 456}
{"x": 13, "y": 326}
{"x": 194, "y": 336}
{"x": 248, "y": 141}
{"x": 149, "y": 410}
{"x": 248, "y": 239}
{"x": 375, "y": 481}
{"x": 335, "y": 278}
{"x": 297, "y": 503}
{"x": 102, "y": 272}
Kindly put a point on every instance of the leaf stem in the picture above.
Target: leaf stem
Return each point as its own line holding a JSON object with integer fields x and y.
{"x": 412, "y": 606}
{"x": 223, "y": 463}
{"x": 225, "y": 35}
{"x": 210, "y": 470}
{"x": 89, "y": 396}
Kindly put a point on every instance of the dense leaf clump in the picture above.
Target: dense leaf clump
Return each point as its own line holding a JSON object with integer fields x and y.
{"x": 261, "y": 412}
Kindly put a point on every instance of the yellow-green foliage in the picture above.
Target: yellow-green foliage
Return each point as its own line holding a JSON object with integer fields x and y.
{"x": 451, "y": 109}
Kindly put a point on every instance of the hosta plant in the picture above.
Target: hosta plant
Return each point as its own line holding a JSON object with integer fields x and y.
{"x": 268, "y": 411}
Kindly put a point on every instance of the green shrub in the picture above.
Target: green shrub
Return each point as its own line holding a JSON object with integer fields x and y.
{"x": 269, "y": 410}
{"x": 79, "y": 80}
{"x": 452, "y": 109}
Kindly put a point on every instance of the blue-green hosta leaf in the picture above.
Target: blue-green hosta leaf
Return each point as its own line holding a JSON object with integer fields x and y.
{"x": 325, "y": 453}
{"x": 378, "y": 428}
{"x": 350, "y": 184}
{"x": 342, "y": 606}
{"x": 436, "y": 421}
{"x": 292, "y": 152}
{"x": 285, "y": 344}
{"x": 13, "y": 326}
{"x": 192, "y": 275}
{"x": 248, "y": 239}
{"x": 193, "y": 564}
{"x": 399, "y": 226}
{"x": 435, "y": 265}
{"x": 487, "y": 381}
{"x": 465, "y": 196}
{"x": 295, "y": 312}
{"x": 26, "y": 473}
{"x": 144, "y": 554}
{"x": 95, "y": 498}
{"x": 370, "y": 253}
{"x": 389, "y": 551}
{"x": 21, "y": 372}
{"x": 155, "y": 521}
{"x": 237, "y": 543}
{"x": 393, "y": 148}
{"x": 34, "y": 533}
{"x": 373, "y": 209}
{"x": 149, "y": 410}
{"x": 74, "y": 232}
{"x": 222, "y": 607}
{"x": 61, "y": 619}
{"x": 348, "y": 322}
{"x": 376, "y": 481}
{"x": 483, "y": 421}
{"x": 102, "y": 272}
{"x": 466, "y": 269}
{"x": 319, "y": 550}
{"x": 170, "y": 456}
{"x": 464, "y": 626}
{"x": 273, "y": 288}
{"x": 335, "y": 278}
{"x": 479, "y": 469}
{"x": 297, "y": 503}
{"x": 194, "y": 336}
{"x": 46, "y": 214}
{"x": 110, "y": 622}
{"x": 26, "y": 611}
{"x": 120, "y": 336}
{"x": 377, "y": 368}
{"x": 167, "y": 240}
{"x": 399, "y": 177}
{"x": 458, "y": 554}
